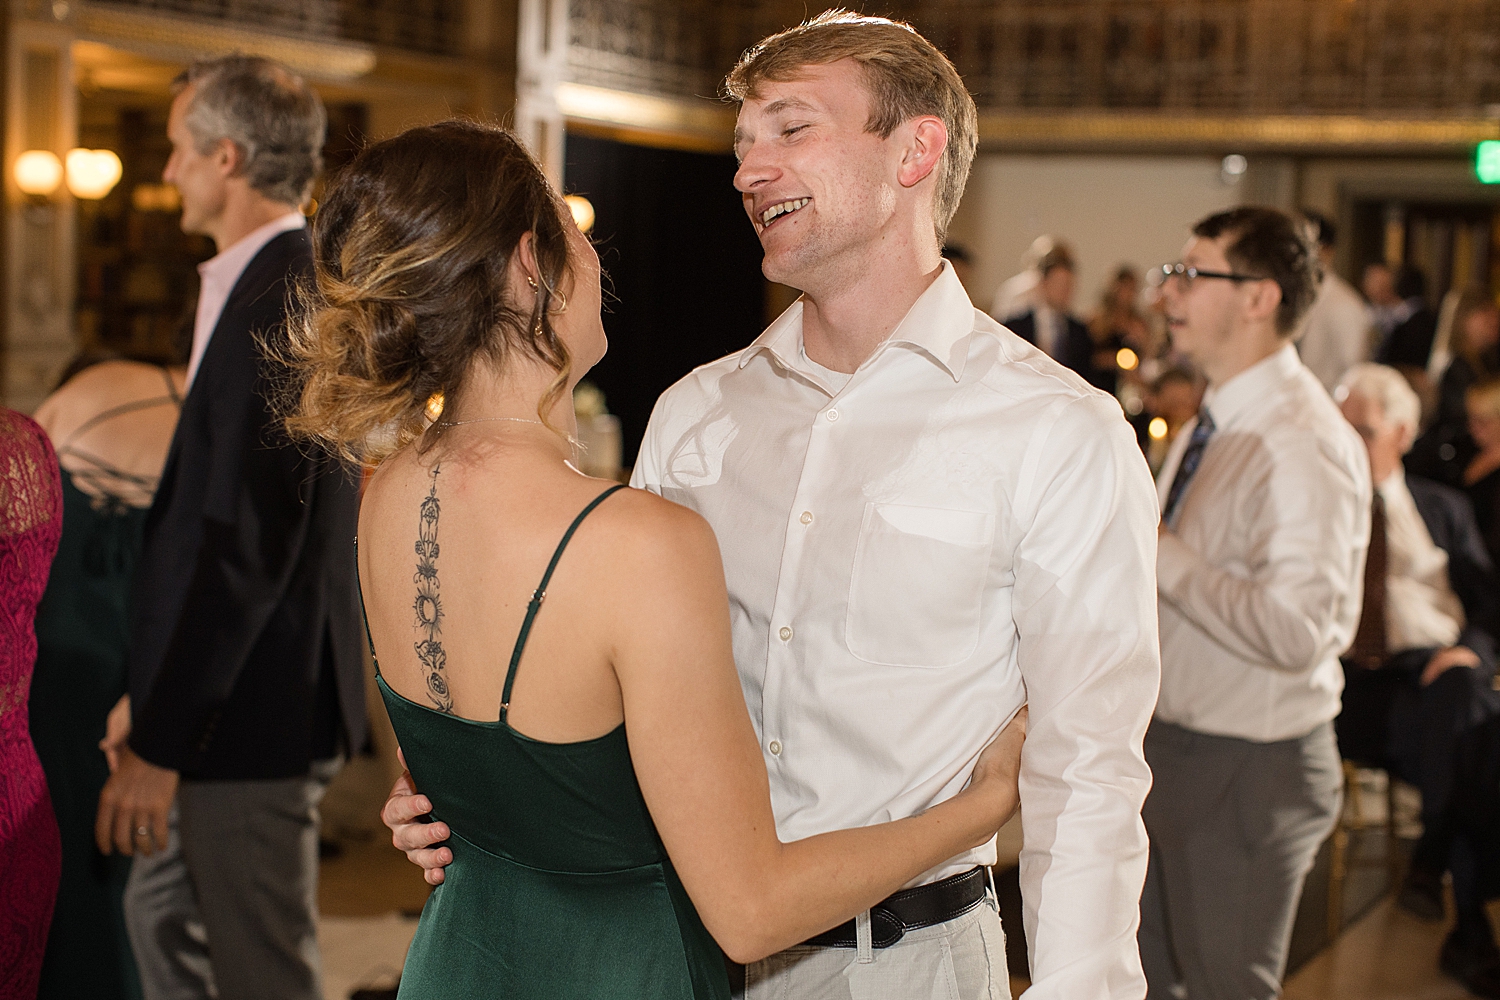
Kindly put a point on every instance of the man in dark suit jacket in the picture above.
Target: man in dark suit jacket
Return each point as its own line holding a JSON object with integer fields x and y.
{"x": 246, "y": 670}
{"x": 1050, "y": 325}
{"x": 1419, "y": 675}
{"x": 1410, "y": 344}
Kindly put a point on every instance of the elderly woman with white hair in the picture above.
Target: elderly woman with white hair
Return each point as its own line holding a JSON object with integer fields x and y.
{"x": 1418, "y": 675}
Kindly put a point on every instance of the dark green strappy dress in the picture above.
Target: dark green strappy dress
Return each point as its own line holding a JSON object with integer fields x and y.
{"x": 559, "y": 887}
{"x": 82, "y": 631}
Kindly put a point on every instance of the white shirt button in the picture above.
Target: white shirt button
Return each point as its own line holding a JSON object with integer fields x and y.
{"x": 786, "y": 633}
{"x": 775, "y": 748}
{"x": 806, "y": 517}
{"x": 833, "y": 414}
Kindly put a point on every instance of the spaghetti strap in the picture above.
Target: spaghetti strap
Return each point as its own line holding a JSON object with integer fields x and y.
{"x": 364, "y": 615}
{"x": 540, "y": 594}
{"x": 116, "y": 411}
{"x": 166, "y": 374}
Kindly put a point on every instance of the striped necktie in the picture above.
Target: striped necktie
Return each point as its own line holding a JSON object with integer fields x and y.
{"x": 1188, "y": 467}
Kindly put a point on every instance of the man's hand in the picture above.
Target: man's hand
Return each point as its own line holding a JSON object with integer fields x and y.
{"x": 116, "y": 732}
{"x": 401, "y": 814}
{"x": 133, "y": 806}
{"x": 1446, "y": 659}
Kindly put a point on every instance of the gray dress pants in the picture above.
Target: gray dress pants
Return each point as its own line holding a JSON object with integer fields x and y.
{"x": 1235, "y": 827}
{"x": 229, "y": 909}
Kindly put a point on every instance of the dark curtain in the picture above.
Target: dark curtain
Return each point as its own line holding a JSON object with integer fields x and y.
{"x": 682, "y": 261}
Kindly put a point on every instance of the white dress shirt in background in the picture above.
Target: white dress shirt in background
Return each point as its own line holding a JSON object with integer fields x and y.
{"x": 218, "y": 276}
{"x": 1261, "y": 582}
{"x": 1421, "y": 609}
{"x": 1336, "y": 333}
{"x": 962, "y": 527}
{"x": 1016, "y": 295}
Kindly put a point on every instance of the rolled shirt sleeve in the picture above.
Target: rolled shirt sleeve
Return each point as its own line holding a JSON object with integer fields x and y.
{"x": 1284, "y": 609}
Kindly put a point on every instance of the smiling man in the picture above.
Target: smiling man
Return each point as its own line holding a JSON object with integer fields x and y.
{"x": 1265, "y": 518}
{"x": 926, "y": 523}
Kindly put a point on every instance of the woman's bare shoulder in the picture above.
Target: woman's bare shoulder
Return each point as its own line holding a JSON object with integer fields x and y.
{"x": 645, "y": 533}
{"x": 98, "y": 388}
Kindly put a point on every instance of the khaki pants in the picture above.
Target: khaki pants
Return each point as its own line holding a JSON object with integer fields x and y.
{"x": 963, "y": 959}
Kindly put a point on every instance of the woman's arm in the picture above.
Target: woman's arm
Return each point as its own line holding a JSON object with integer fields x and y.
{"x": 703, "y": 777}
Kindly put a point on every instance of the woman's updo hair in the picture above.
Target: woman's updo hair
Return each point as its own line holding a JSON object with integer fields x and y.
{"x": 411, "y": 250}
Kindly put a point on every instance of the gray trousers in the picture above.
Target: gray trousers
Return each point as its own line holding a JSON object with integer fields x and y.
{"x": 1235, "y": 827}
{"x": 229, "y": 909}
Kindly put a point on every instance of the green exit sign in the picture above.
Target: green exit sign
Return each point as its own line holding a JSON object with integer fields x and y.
{"x": 1487, "y": 162}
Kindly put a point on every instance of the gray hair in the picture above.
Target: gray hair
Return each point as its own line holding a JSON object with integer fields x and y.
{"x": 1388, "y": 387}
{"x": 266, "y": 110}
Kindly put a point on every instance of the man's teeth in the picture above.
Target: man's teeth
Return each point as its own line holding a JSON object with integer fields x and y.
{"x": 782, "y": 209}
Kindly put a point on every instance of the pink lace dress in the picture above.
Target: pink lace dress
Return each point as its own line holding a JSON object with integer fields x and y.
{"x": 30, "y": 855}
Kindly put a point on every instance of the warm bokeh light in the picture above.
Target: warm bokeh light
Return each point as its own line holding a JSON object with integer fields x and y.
{"x": 583, "y": 211}
{"x": 38, "y": 172}
{"x": 92, "y": 173}
{"x": 1157, "y": 428}
{"x": 1127, "y": 359}
{"x": 155, "y": 198}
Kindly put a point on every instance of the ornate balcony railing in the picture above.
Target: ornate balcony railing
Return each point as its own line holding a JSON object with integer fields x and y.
{"x": 1433, "y": 57}
{"x": 427, "y": 26}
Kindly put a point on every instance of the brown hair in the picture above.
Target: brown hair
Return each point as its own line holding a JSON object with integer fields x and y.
{"x": 907, "y": 75}
{"x": 1473, "y": 300}
{"x": 411, "y": 249}
{"x": 1271, "y": 245}
{"x": 1485, "y": 396}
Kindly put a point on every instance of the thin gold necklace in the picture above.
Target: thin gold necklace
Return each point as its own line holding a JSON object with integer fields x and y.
{"x": 481, "y": 420}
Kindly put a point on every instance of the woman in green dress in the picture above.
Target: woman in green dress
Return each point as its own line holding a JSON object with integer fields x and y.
{"x": 554, "y": 650}
{"x": 111, "y": 422}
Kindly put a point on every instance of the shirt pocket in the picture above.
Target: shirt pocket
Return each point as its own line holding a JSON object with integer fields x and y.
{"x": 917, "y": 585}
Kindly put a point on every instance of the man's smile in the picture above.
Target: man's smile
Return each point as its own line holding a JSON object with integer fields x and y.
{"x": 779, "y": 210}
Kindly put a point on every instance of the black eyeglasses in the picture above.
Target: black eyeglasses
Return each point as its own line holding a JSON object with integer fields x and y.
{"x": 1190, "y": 274}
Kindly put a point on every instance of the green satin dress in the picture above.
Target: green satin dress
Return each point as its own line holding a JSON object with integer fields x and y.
{"x": 560, "y": 888}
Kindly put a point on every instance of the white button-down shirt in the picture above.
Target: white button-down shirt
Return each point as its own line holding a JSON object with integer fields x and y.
{"x": 1421, "y": 608}
{"x": 962, "y": 527}
{"x": 1261, "y": 582}
{"x": 1336, "y": 333}
{"x": 219, "y": 274}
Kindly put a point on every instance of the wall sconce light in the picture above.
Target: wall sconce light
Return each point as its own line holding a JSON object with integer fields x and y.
{"x": 38, "y": 172}
{"x": 92, "y": 173}
{"x": 583, "y": 211}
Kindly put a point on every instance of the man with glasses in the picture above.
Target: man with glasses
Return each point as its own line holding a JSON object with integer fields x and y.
{"x": 1265, "y": 520}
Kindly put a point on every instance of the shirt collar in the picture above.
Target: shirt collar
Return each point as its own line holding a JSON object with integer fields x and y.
{"x": 1247, "y": 390}
{"x": 940, "y": 324}
{"x": 1394, "y": 485}
{"x": 232, "y": 260}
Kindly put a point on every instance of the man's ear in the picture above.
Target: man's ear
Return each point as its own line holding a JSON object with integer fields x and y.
{"x": 924, "y": 148}
{"x": 1264, "y": 299}
{"x": 229, "y": 158}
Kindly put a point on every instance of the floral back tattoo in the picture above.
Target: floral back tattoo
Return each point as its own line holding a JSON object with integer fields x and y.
{"x": 429, "y": 605}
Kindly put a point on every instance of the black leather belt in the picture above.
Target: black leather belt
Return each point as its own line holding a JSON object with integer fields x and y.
{"x": 922, "y": 906}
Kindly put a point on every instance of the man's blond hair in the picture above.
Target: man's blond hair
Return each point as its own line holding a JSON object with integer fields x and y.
{"x": 907, "y": 76}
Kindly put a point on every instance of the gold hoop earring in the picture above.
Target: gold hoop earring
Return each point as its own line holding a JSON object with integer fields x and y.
{"x": 564, "y": 307}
